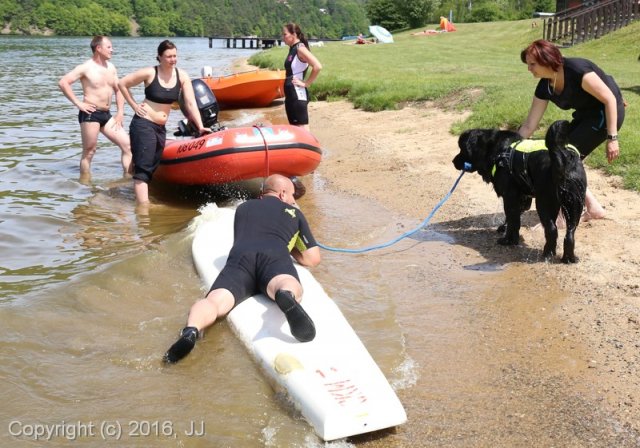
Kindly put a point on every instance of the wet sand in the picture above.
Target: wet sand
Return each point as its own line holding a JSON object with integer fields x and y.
{"x": 546, "y": 354}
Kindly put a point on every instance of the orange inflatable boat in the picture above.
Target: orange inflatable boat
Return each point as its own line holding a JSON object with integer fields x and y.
{"x": 239, "y": 154}
{"x": 257, "y": 88}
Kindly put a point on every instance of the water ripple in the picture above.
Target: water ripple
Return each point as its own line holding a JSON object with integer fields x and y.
{"x": 53, "y": 226}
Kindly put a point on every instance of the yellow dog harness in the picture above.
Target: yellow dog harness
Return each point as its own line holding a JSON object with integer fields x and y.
{"x": 515, "y": 159}
{"x": 525, "y": 146}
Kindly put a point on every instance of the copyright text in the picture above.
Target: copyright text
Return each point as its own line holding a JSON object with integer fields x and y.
{"x": 106, "y": 430}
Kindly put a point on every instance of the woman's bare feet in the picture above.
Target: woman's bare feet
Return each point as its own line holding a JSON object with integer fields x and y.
{"x": 593, "y": 208}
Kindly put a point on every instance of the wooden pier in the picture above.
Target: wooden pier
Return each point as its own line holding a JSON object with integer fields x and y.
{"x": 246, "y": 42}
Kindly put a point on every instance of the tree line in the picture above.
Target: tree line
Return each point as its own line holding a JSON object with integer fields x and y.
{"x": 402, "y": 14}
{"x": 264, "y": 18}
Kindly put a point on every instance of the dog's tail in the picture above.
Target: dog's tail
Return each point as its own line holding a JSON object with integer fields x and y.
{"x": 562, "y": 154}
{"x": 557, "y": 136}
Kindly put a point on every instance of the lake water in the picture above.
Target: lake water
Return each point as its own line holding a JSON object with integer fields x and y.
{"x": 93, "y": 293}
{"x": 49, "y": 232}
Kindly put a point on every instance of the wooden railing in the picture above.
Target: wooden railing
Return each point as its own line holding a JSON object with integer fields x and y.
{"x": 580, "y": 24}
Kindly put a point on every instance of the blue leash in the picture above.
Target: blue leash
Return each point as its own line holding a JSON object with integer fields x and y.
{"x": 406, "y": 234}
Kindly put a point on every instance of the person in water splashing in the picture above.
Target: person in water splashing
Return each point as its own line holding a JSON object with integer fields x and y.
{"x": 267, "y": 233}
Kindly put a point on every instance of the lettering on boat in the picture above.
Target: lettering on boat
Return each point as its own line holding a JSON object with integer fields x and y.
{"x": 214, "y": 141}
{"x": 192, "y": 145}
{"x": 269, "y": 134}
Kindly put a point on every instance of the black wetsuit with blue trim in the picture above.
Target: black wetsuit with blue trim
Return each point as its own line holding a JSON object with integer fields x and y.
{"x": 148, "y": 138}
{"x": 265, "y": 232}
{"x": 589, "y": 125}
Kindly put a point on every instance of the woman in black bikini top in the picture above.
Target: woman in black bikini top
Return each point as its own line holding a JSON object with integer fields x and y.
{"x": 163, "y": 84}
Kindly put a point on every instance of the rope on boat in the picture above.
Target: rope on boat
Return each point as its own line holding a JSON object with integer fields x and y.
{"x": 266, "y": 151}
{"x": 406, "y": 234}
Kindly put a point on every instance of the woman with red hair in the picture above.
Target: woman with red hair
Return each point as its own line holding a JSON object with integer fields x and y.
{"x": 578, "y": 84}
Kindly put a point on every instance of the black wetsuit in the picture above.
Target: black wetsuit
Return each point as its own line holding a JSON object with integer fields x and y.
{"x": 589, "y": 125}
{"x": 265, "y": 232}
{"x": 296, "y": 99}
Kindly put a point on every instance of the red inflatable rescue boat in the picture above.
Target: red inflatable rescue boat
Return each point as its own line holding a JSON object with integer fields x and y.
{"x": 238, "y": 154}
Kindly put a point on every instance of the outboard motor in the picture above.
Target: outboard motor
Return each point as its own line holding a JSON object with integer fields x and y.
{"x": 207, "y": 105}
{"x": 207, "y": 71}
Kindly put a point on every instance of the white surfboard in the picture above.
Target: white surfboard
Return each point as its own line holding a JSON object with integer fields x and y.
{"x": 332, "y": 380}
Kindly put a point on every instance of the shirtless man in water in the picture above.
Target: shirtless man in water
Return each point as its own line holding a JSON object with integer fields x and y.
{"x": 99, "y": 81}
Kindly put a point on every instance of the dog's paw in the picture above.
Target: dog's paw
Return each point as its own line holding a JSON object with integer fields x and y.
{"x": 548, "y": 255}
{"x": 507, "y": 241}
{"x": 570, "y": 259}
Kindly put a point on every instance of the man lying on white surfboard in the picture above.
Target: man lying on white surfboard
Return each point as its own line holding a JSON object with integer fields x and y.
{"x": 267, "y": 233}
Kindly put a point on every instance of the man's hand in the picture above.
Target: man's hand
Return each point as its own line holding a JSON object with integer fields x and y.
{"x": 87, "y": 108}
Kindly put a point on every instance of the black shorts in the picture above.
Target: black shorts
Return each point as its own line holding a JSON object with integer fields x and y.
{"x": 147, "y": 144}
{"x": 589, "y": 130}
{"x": 296, "y": 109}
{"x": 247, "y": 273}
{"x": 97, "y": 116}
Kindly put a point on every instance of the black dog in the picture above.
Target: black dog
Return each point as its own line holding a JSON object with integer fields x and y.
{"x": 554, "y": 177}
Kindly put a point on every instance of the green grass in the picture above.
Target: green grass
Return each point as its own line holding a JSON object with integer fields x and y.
{"x": 477, "y": 68}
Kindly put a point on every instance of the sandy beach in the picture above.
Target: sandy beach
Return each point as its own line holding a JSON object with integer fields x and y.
{"x": 583, "y": 338}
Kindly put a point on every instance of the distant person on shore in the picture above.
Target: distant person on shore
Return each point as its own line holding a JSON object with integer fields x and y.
{"x": 446, "y": 26}
{"x": 267, "y": 233}
{"x": 163, "y": 85}
{"x": 579, "y": 84}
{"x": 360, "y": 40}
{"x": 99, "y": 81}
{"x": 296, "y": 93}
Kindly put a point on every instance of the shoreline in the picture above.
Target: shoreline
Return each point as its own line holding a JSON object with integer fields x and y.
{"x": 585, "y": 331}
{"x": 589, "y": 335}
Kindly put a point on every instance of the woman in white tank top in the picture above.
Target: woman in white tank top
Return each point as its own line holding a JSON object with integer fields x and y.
{"x": 298, "y": 60}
